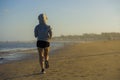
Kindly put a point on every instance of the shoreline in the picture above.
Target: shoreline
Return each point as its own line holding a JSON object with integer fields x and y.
{"x": 18, "y": 55}
{"x": 84, "y": 61}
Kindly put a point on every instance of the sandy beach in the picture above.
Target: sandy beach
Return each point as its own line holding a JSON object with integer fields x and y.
{"x": 82, "y": 61}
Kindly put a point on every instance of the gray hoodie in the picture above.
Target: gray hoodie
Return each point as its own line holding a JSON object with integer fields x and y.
{"x": 43, "y": 32}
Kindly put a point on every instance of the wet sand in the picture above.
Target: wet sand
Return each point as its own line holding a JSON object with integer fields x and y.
{"x": 83, "y": 61}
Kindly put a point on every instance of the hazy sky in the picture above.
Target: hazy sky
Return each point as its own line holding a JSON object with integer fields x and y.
{"x": 66, "y": 17}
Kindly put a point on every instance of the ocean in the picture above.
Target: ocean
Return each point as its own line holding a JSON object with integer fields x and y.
{"x": 12, "y": 51}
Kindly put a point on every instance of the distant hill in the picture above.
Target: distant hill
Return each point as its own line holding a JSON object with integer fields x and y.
{"x": 89, "y": 37}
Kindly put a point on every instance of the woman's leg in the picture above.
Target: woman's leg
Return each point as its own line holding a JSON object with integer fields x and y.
{"x": 41, "y": 57}
{"x": 46, "y": 55}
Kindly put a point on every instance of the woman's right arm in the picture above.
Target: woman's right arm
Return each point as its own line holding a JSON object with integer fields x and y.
{"x": 50, "y": 32}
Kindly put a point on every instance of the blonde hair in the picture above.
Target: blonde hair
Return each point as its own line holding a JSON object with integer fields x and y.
{"x": 42, "y": 18}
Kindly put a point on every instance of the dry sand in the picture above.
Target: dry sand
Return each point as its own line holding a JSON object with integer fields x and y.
{"x": 82, "y": 61}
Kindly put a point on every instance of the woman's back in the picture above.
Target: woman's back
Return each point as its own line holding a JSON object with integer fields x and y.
{"x": 42, "y": 32}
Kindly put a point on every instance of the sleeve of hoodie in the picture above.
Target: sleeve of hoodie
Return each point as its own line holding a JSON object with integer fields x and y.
{"x": 36, "y": 32}
{"x": 50, "y": 32}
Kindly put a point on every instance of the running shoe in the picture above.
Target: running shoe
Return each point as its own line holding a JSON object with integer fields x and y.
{"x": 42, "y": 71}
